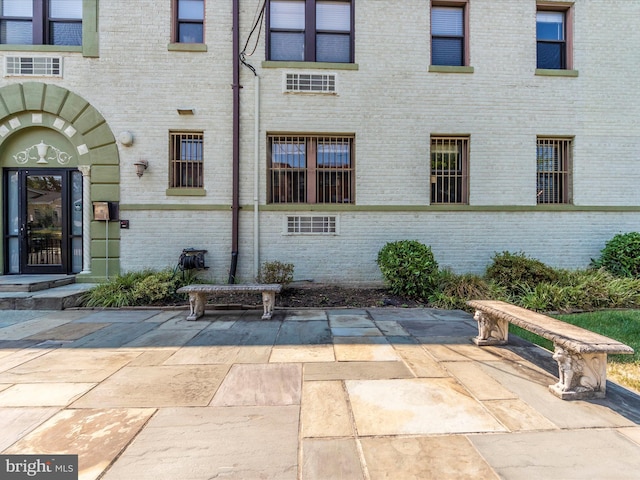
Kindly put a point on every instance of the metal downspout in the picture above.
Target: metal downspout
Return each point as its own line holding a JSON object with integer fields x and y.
{"x": 256, "y": 183}
{"x": 235, "y": 203}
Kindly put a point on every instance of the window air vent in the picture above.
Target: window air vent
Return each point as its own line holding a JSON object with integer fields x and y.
{"x": 313, "y": 225}
{"x": 310, "y": 82}
{"x": 34, "y": 66}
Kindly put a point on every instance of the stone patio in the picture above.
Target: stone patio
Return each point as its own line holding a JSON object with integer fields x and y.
{"x": 311, "y": 394}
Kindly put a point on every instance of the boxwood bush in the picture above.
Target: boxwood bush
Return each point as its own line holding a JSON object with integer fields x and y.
{"x": 621, "y": 255}
{"x": 409, "y": 268}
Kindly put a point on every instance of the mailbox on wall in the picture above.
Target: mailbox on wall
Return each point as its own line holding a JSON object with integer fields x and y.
{"x": 105, "y": 211}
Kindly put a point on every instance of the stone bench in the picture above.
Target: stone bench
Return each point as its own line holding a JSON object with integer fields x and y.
{"x": 198, "y": 296}
{"x": 581, "y": 354}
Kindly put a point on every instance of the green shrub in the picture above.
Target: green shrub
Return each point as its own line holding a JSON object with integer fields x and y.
{"x": 453, "y": 291}
{"x": 276, "y": 272}
{"x": 621, "y": 255}
{"x": 517, "y": 273}
{"x": 146, "y": 287}
{"x": 546, "y": 297}
{"x": 408, "y": 268}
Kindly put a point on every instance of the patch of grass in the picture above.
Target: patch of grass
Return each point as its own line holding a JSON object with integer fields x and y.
{"x": 621, "y": 325}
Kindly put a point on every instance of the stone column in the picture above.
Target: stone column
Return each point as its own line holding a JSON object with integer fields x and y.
{"x": 86, "y": 218}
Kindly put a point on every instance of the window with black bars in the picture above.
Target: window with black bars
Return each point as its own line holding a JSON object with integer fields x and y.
{"x": 553, "y": 159}
{"x": 449, "y": 170}
{"x": 311, "y": 169}
{"x": 186, "y": 160}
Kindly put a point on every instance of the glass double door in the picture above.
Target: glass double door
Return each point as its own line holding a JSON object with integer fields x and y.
{"x": 43, "y": 221}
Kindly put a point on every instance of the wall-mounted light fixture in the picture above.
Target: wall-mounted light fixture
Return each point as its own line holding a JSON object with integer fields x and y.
{"x": 126, "y": 138}
{"x": 141, "y": 166}
{"x": 186, "y": 111}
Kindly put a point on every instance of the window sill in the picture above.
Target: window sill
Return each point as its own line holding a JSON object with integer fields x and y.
{"x": 311, "y": 65}
{"x": 449, "y": 69}
{"x": 187, "y": 47}
{"x": 40, "y": 48}
{"x": 546, "y": 72}
{"x": 186, "y": 192}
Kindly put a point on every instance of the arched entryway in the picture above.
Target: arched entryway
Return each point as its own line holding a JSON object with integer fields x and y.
{"x": 58, "y": 156}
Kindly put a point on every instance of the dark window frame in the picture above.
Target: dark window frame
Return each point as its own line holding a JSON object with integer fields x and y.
{"x": 464, "y": 6}
{"x": 186, "y": 171}
{"x": 178, "y": 22}
{"x": 449, "y": 177}
{"x": 42, "y": 24}
{"x": 567, "y": 44}
{"x": 311, "y": 174}
{"x": 554, "y": 164}
{"x": 311, "y": 32}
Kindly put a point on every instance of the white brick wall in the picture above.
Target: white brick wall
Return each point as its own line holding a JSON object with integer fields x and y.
{"x": 392, "y": 104}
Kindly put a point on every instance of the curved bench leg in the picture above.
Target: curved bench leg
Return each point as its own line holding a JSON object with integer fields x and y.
{"x": 580, "y": 375}
{"x": 268, "y": 301}
{"x": 196, "y": 305}
{"x": 491, "y": 330}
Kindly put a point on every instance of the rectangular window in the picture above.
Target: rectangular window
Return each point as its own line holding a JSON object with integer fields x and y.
{"x": 551, "y": 40}
{"x": 311, "y": 224}
{"x": 185, "y": 160}
{"x": 189, "y": 21}
{"x": 448, "y": 42}
{"x": 310, "y": 30}
{"x": 311, "y": 169}
{"x": 33, "y": 66}
{"x": 449, "y": 170}
{"x": 553, "y": 170}
{"x": 41, "y": 22}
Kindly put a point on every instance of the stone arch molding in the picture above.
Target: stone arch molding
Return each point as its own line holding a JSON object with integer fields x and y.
{"x": 77, "y": 136}
{"x": 28, "y": 105}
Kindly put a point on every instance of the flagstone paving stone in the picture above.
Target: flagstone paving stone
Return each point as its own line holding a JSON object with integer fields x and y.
{"x": 114, "y": 336}
{"x": 517, "y": 416}
{"x": 66, "y": 365}
{"x": 22, "y": 330}
{"x": 17, "y": 422}
{"x": 355, "y": 370}
{"x": 176, "y": 385}
{"x": 416, "y": 406}
{"x": 68, "y": 331}
{"x": 370, "y": 349}
{"x": 43, "y": 394}
{"x": 151, "y": 357}
{"x": 601, "y": 454}
{"x": 306, "y": 315}
{"x": 96, "y": 436}
{"x": 632, "y": 432}
{"x": 252, "y": 384}
{"x": 304, "y": 333}
{"x": 330, "y": 458}
{"x": 449, "y": 457}
{"x": 481, "y": 385}
{"x": 391, "y": 327}
{"x": 302, "y": 353}
{"x": 203, "y": 355}
{"x": 349, "y": 319}
{"x": 214, "y": 442}
{"x": 163, "y": 337}
{"x": 118, "y": 316}
{"x": 325, "y": 410}
{"x": 420, "y": 362}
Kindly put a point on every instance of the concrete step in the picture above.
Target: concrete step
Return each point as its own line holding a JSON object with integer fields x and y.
{"x": 33, "y": 283}
{"x": 57, "y": 298}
